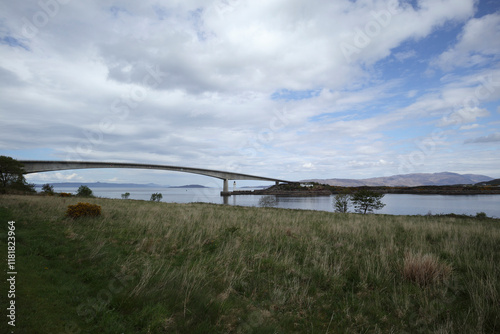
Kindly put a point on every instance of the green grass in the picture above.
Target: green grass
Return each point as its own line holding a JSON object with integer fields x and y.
{"x": 145, "y": 267}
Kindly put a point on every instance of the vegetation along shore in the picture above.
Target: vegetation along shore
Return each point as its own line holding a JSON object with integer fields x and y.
{"x": 149, "y": 267}
{"x": 315, "y": 189}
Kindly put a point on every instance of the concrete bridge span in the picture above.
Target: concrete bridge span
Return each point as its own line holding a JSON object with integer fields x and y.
{"x": 38, "y": 166}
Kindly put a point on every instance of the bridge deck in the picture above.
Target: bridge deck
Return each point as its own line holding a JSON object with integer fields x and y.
{"x": 38, "y": 166}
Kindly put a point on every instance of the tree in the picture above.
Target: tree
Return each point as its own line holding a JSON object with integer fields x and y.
{"x": 125, "y": 196}
{"x": 48, "y": 189}
{"x": 156, "y": 197}
{"x": 366, "y": 201}
{"x": 341, "y": 202}
{"x": 84, "y": 191}
{"x": 268, "y": 201}
{"x": 11, "y": 175}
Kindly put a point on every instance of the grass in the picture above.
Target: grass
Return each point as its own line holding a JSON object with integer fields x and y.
{"x": 145, "y": 267}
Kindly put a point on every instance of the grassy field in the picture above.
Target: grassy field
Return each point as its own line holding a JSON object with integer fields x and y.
{"x": 145, "y": 267}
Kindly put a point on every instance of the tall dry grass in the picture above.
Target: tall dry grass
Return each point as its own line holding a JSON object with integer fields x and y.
{"x": 263, "y": 269}
{"x": 425, "y": 269}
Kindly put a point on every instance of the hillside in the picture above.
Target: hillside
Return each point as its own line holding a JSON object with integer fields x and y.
{"x": 495, "y": 182}
{"x": 408, "y": 180}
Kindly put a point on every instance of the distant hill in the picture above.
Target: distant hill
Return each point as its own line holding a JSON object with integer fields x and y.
{"x": 495, "y": 182}
{"x": 408, "y": 180}
{"x": 104, "y": 185}
{"x": 189, "y": 186}
{"x": 118, "y": 185}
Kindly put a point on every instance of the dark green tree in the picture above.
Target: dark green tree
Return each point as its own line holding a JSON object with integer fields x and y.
{"x": 48, "y": 189}
{"x": 366, "y": 201}
{"x": 126, "y": 195}
{"x": 84, "y": 191}
{"x": 341, "y": 202}
{"x": 11, "y": 175}
{"x": 156, "y": 197}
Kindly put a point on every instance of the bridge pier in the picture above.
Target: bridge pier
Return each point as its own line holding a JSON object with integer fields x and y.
{"x": 225, "y": 189}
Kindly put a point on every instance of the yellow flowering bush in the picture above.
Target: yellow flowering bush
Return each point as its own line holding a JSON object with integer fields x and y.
{"x": 83, "y": 209}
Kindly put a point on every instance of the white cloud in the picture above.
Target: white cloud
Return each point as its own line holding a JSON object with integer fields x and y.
{"x": 308, "y": 165}
{"x": 54, "y": 177}
{"x": 464, "y": 116}
{"x": 478, "y": 43}
{"x": 219, "y": 63}
{"x": 470, "y": 127}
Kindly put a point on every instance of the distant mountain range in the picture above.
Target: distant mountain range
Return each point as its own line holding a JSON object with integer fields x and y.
{"x": 408, "y": 180}
{"x": 118, "y": 185}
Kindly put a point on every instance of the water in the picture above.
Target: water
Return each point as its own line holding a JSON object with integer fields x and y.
{"x": 396, "y": 204}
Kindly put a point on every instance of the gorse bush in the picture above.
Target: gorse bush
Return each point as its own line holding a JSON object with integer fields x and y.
{"x": 83, "y": 209}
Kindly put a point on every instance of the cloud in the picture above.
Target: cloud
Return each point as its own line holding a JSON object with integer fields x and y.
{"x": 477, "y": 45}
{"x": 464, "y": 116}
{"x": 262, "y": 87}
{"x": 491, "y": 138}
{"x": 402, "y": 56}
{"x": 54, "y": 177}
{"x": 412, "y": 93}
{"x": 308, "y": 165}
{"x": 470, "y": 127}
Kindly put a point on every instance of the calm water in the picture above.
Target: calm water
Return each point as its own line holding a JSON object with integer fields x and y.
{"x": 395, "y": 204}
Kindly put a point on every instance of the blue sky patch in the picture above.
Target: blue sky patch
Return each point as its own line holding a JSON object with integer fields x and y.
{"x": 295, "y": 95}
{"x": 13, "y": 42}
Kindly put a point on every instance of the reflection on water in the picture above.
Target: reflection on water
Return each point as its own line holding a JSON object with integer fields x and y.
{"x": 395, "y": 204}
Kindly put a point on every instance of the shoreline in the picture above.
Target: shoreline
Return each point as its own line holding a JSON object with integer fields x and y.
{"x": 316, "y": 190}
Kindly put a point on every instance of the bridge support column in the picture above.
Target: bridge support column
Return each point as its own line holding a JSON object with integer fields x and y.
{"x": 277, "y": 183}
{"x": 225, "y": 188}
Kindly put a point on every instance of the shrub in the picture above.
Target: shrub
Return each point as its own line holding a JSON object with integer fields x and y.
{"x": 425, "y": 269}
{"x": 48, "y": 189}
{"x": 84, "y": 191}
{"x": 83, "y": 209}
{"x": 268, "y": 201}
{"x": 65, "y": 195}
{"x": 481, "y": 215}
{"x": 156, "y": 197}
{"x": 126, "y": 195}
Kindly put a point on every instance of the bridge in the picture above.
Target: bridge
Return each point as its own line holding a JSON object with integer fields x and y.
{"x": 38, "y": 166}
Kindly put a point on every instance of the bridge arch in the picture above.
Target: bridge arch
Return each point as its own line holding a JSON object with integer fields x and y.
{"x": 39, "y": 166}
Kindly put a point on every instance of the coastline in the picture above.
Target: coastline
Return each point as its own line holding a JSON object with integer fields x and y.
{"x": 296, "y": 190}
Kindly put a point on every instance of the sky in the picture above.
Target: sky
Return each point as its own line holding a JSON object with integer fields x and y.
{"x": 286, "y": 89}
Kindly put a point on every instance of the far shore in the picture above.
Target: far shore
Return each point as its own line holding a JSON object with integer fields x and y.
{"x": 326, "y": 190}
